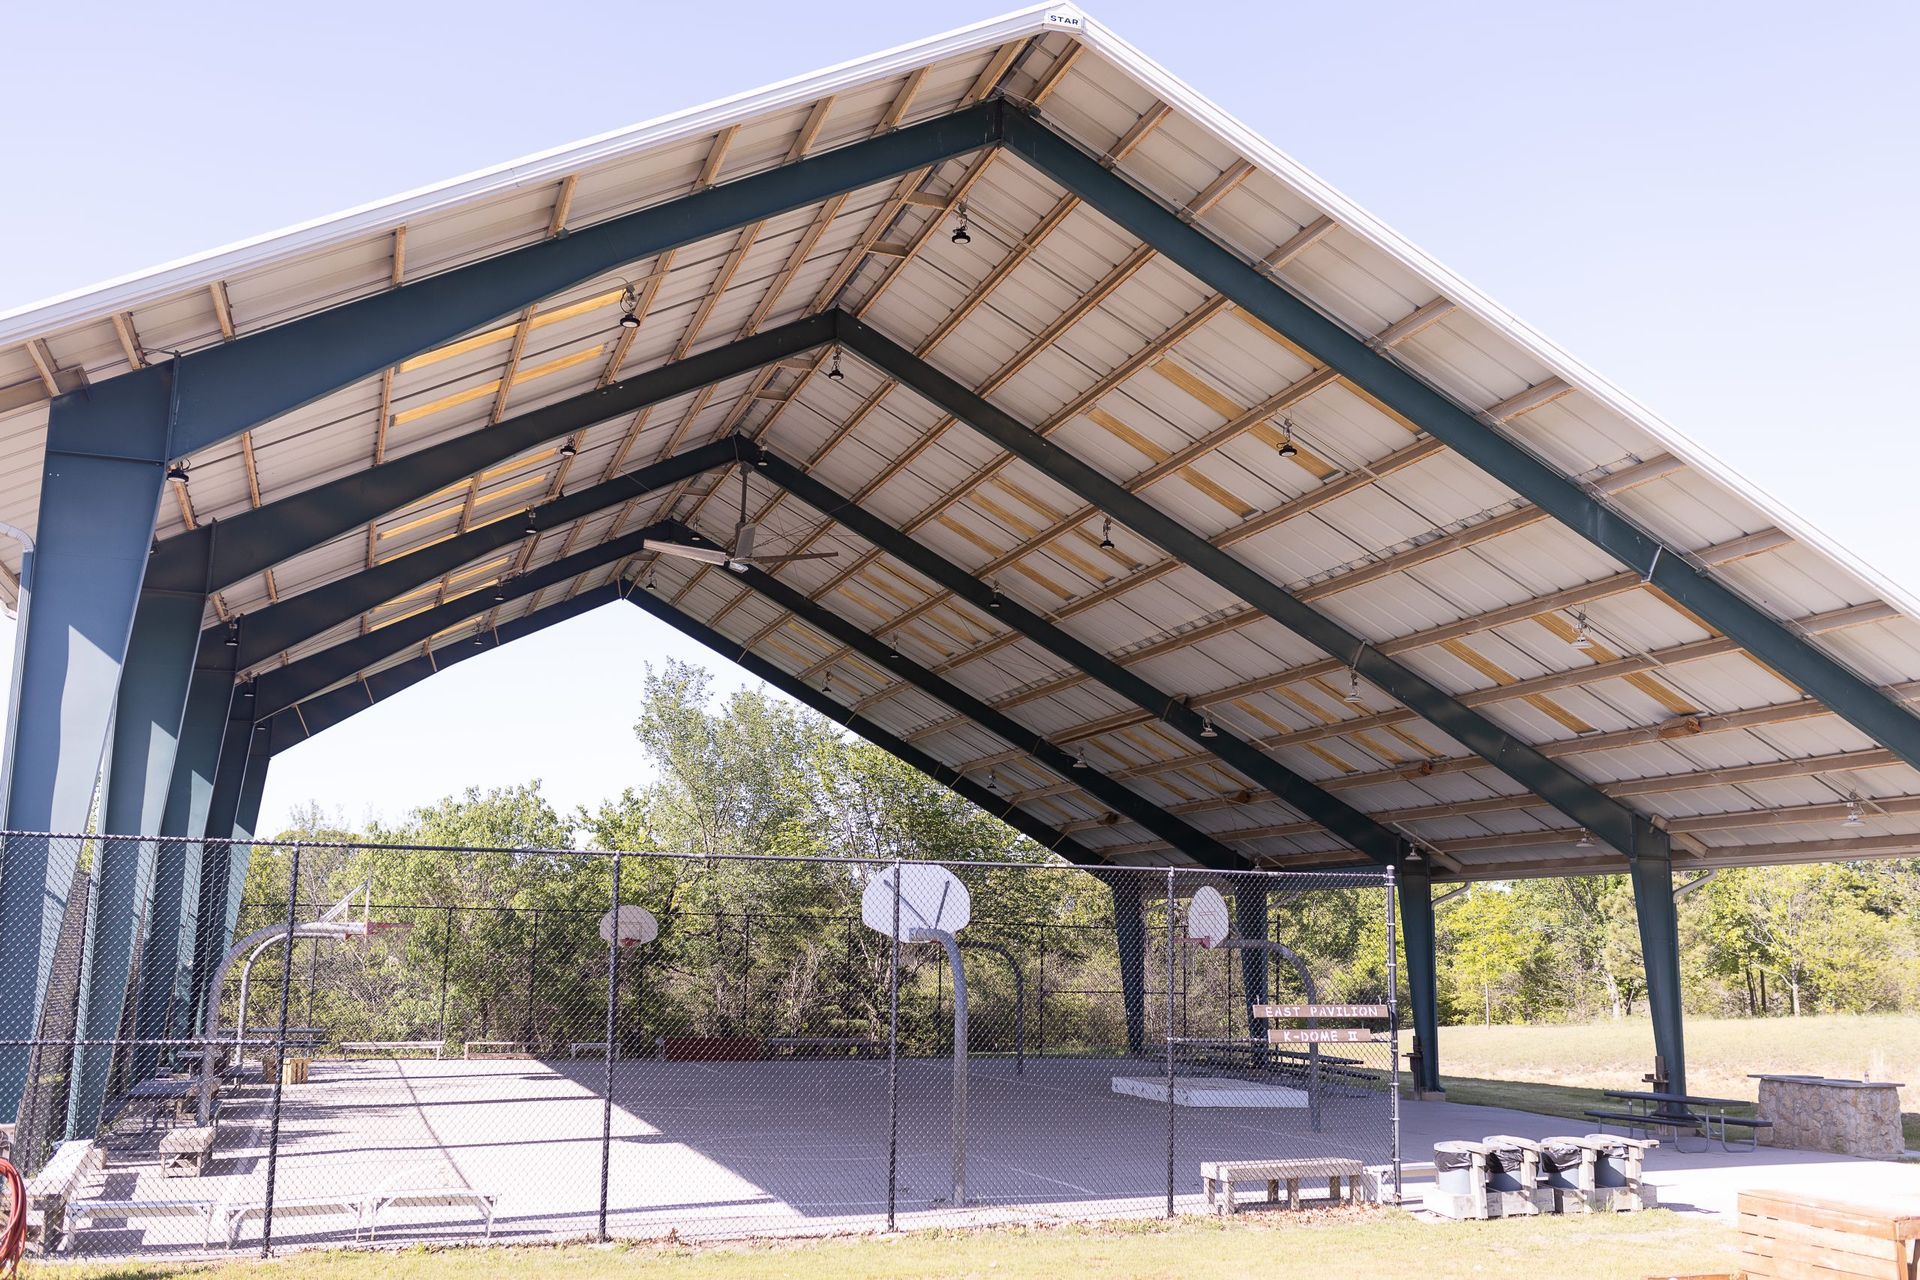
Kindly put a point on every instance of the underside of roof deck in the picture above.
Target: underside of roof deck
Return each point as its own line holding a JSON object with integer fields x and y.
{"x": 1089, "y": 335}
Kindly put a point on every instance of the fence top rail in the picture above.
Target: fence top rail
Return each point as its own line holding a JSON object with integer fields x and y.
{"x": 1354, "y": 875}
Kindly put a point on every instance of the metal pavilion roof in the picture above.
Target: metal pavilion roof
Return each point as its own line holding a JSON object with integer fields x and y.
{"x": 1075, "y": 326}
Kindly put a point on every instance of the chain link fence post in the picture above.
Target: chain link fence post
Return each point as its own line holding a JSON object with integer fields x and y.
{"x": 279, "y": 1048}
{"x": 613, "y": 995}
{"x": 1393, "y": 1025}
{"x": 1171, "y": 965}
{"x": 893, "y": 1055}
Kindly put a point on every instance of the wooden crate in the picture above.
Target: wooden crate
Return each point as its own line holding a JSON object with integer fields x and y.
{"x": 1795, "y": 1237}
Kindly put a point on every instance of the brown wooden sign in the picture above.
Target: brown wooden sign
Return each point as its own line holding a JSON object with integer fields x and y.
{"x": 1320, "y": 1035}
{"x": 1319, "y": 1011}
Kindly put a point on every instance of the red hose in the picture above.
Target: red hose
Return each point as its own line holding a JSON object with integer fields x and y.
{"x": 14, "y": 1242}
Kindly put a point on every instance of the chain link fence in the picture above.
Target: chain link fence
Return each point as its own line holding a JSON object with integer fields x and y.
{"x": 469, "y": 1044}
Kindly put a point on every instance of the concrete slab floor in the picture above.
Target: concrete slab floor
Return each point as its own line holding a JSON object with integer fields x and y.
{"x": 795, "y": 1148}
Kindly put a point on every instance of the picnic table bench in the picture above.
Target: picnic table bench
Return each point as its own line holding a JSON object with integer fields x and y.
{"x": 1218, "y": 1177}
{"x": 435, "y": 1047}
{"x": 233, "y": 1215}
{"x": 1655, "y": 1109}
{"x": 58, "y": 1182}
{"x": 85, "y": 1213}
{"x": 186, "y": 1151}
{"x": 577, "y": 1047}
{"x": 823, "y": 1046}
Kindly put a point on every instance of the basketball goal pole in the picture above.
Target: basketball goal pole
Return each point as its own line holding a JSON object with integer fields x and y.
{"x": 952, "y": 945}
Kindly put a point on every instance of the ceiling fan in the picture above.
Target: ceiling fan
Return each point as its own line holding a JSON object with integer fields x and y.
{"x": 739, "y": 557}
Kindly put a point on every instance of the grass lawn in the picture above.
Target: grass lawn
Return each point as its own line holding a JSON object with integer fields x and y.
{"x": 1321, "y": 1245}
{"x": 1560, "y": 1069}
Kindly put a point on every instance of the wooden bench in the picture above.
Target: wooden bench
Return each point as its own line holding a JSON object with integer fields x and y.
{"x": 1218, "y": 1177}
{"x": 824, "y": 1046}
{"x": 84, "y": 1213}
{"x": 483, "y": 1050}
{"x": 391, "y": 1047}
{"x": 1793, "y": 1236}
{"x": 186, "y": 1151}
{"x": 58, "y": 1182}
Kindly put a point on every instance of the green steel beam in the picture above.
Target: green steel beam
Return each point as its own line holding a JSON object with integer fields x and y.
{"x": 1185, "y": 839}
{"x": 1345, "y": 822}
{"x": 800, "y": 691}
{"x": 1606, "y": 818}
{"x": 225, "y": 389}
{"x": 282, "y": 687}
{"x": 296, "y": 618}
{"x": 220, "y": 555}
{"x": 1771, "y": 642}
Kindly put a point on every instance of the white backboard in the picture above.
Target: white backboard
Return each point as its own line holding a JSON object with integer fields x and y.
{"x": 1207, "y": 920}
{"x": 931, "y": 897}
{"x": 635, "y": 926}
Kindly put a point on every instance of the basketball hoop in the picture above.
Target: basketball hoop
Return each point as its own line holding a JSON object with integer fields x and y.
{"x": 1208, "y": 924}
{"x": 629, "y": 927}
{"x": 337, "y": 920}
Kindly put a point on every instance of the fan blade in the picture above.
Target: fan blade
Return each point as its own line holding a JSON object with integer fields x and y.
{"x": 705, "y": 555}
{"x": 762, "y": 561}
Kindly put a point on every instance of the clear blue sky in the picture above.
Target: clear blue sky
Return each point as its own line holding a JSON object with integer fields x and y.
{"x": 1712, "y": 204}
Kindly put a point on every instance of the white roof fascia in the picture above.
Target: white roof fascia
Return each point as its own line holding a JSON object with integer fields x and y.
{"x": 96, "y": 302}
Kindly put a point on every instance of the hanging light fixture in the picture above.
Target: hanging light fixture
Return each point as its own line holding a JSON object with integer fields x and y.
{"x": 960, "y": 235}
{"x": 629, "y": 302}
{"x": 479, "y": 640}
{"x": 652, "y": 584}
{"x": 1585, "y": 841}
{"x": 1106, "y": 534}
{"x": 568, "y": 449}
{"x": 993, "y": 601}
{"x": 1080, "y": 760}
{"x": 500, "y": 591}
{"x": 1414, "y": 854}
{"x": 993, "y": 782}
{"x": 1854, "y": 817}
{"x": 1287, "y": 447}
{"x": 893, "y": 651}
{"x": 1206, "y": 728}
{"x": 532, "y": 527}
{"x": 826, "y": 686}
{"x": 833, "y": 371}
{"x": 233, "y": 633}
{"x": 1353, "y": 698}
{"x": 178, "y": 472}
{"x": 1581, "y": 639}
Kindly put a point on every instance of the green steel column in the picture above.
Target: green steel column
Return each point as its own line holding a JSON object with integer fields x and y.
{"x": 211, "y": 937}
{"x": 146, "y": 730}
{"x": 1651, "y": 873}
{"x": 246, "y": 821}
{"x": 166, "y": 961}
{"x": 1130, "y": 936}
{"x": 105, "y": 466}
{"x": 1416, "y": 934}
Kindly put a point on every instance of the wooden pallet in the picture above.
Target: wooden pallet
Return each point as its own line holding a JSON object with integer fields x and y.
{"x": 1796, "y": 1237}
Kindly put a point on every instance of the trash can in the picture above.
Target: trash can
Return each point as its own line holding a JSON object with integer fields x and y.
{"x": 1506, "y": 1166}
{"x": 1453, "y": 1167}
{"x": 1560, "y": 1161}
{"x": 1609, "y": 1162}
